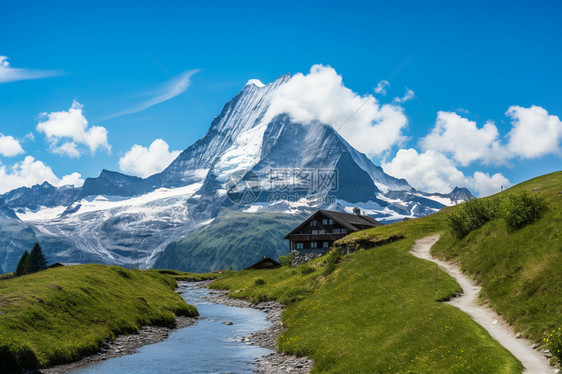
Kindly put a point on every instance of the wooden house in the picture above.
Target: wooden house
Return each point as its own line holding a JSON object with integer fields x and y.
{"x": 319, "y": 231}
{"x": 264, "y": 263}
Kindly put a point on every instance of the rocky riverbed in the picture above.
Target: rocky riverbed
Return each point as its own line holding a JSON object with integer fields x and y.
{"x": 276, "y": 362}
{"x": 123, "y": 345}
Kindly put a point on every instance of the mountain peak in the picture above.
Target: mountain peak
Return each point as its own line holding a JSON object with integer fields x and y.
{"x": 255, "y": 82}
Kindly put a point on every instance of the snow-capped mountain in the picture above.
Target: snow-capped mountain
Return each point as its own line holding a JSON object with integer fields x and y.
{"x": 245, "y": 162}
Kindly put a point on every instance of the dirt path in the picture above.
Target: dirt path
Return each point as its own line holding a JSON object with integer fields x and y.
{"x": 533, "y": 361}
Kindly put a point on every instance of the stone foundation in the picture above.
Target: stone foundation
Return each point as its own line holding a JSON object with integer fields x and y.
{"x": 305, "y": 255}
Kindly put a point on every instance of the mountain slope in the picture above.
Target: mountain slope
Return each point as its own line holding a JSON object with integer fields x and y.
{"x": 383, "y": 305}
{"x": 15, "y": 237}
{"x": 233, "y": 239}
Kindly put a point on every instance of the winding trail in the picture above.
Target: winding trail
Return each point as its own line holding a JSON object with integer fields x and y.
{"x": 533, "y": 361}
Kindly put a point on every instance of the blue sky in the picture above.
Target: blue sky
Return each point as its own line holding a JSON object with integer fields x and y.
{"x": 476, "y": 59}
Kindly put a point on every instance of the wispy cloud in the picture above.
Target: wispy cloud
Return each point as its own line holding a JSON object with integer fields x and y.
{"x": 166, "y": 92}
{"x": 10, "y": 74}
{"x": 409, "y": 95}
{"x": 381, "y": 87}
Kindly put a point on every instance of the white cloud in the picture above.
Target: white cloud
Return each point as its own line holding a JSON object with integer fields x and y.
{"x": 381, "y": 87}
{"x": 432, "y": 171}
{"x": 74, "y": 179}
{"x": 486, "y": 185}
{"x": 166, "y": 92}
{"x": 73, "y": 125}
{"x": 144, "y": 161}
{"x": 534, "y": 132}
{"x": 464, "y": 141}
{"x": 9, "y": 146}
{"x": 408, "y": 95}
{"x": 367, "y": 125}
{"x": 428, "y": 171}
{"x": 10, "y": 74}
{"x": 30, "y": 172}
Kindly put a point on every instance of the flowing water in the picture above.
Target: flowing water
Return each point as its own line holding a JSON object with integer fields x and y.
{"x": 208, "y": 346}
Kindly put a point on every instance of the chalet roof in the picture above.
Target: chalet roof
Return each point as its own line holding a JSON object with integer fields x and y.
{"x": 265, "y": 262}
{"x": 352, "y": 222}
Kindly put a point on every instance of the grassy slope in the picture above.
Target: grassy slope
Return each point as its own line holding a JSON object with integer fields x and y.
{"x": 520, "y": 272}
{"x": 235, "y": 239}
{"x": 377, "y": 311}
{"x": 59, "y": 314}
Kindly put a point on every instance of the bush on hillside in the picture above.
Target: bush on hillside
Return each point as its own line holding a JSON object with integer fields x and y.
{"x": 259, "y": 282}
{"x": 471, "y": 215}
{"x": 286, "y": 260}
{"x": 521, "y": 209}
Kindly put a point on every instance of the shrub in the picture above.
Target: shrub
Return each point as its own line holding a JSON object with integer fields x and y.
{"x": 521, "y": 209}
{"x": 259, "y": 282}
{"x": 554, "y": 343}
{"x": 286, "y": 260}
{"x": 471, "y": 215}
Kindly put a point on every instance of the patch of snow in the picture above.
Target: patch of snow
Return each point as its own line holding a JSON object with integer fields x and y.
{"x": 255, "y": 82}
{"x": 442, "y": 200}
{"x": 205, "y": 223}
{"x": 42, "y": 214}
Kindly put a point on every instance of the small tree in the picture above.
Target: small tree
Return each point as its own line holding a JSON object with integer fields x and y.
{"x": 37, "y": 259}
{"x": 20, "y": 269}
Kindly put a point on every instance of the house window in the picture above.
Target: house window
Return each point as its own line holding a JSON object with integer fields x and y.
{"x": 321, "y": 231}
{"x": 344, "y": 231}
{"x": 336, "y": 231}
{"x": 300, "y": 245}
{"x": 313, "y": 245}
{"x": 325, "y": 244}
{"x": 330, "y": 222}
{"x": 314, "y": 232}
{"x": 325, "y": 221}
{"x": 312, "y": 223}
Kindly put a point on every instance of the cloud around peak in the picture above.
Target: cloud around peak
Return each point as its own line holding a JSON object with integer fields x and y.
{"x": 320, "y": 95}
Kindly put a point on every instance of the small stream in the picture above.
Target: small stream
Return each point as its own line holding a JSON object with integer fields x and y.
{"x": 208, "y": 346}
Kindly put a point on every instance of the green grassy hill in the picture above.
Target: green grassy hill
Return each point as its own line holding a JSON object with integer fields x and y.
{"x": 234, "y": 239}
{"x": 377, "y": 311}
{"x": 58, "y": 315}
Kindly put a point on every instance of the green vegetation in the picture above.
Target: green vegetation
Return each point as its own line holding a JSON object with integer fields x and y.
{"x": 32, "y": 262}
{"x": 286, "y": 260}
{"x": 235, "y": 239}
{"x": 376, "y": 310}
{"x": 554, "y": 343}
{"x": 471, "y": 215}
{"x": 522, "y": 209}
{"x": 519, "y": 270}
{"x": 187, "y": 277}
{"x": 58, "y": 315}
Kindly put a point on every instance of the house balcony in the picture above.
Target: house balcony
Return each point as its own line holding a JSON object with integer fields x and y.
{"x": 316, "y": 237}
